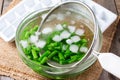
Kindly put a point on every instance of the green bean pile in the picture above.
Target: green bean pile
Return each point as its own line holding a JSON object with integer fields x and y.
{"x": 53, "y": 50}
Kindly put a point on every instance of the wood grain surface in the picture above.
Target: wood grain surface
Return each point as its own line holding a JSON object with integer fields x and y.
{"x": 108, "y": 34}
{"x": 1, "y": 6}
{"x": 118, "y": 6}
{"x": 109, "y": 4}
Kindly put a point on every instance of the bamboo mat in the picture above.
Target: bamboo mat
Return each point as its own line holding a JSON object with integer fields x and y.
{"x": 11, "y": 65}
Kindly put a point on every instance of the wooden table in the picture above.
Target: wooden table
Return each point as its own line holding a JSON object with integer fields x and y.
{"x": 1, "y": 6}
{"x": 112, "y": 5}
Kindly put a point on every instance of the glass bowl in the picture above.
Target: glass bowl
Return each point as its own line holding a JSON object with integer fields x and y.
{"x": 60, "y": 73}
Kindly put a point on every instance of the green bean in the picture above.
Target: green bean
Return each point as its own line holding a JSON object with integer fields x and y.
{"x": 83, "y": 41}
{"x": 84, "y": 44}
{"x": 45, "y": 54}
{"x": 53, "y": 44}
{"x": 67, "y": 53}
{"x": 36, "y": 49}
{"x": 29, "y": 56}
{"x": 60, "y": 62}
{"x": 49, "y": 48}
{"x": 52, "y": 54}
{"x": 49, "y": 40}
{"x": 55, "y": 59}
{"x": 23, "y": 35}
{"x": 35, "y": 54}
{"x": 35, "y": 28}
{"x": 73, "y": 59}
{"x": 44, "y": 60}
{"x": 74, "y": 56}
{"x": 61, "y": 57}
{"x": 63, "y": 62}
{"x": 58, "y": 48}
{"x": 32, "y": 32}
{"x": 27, "y": 35}
{"x": 67, "y": 46}
{"x": 36, "y": 62}
{"x": 27, "y": 50}
{"x": 80, "y": 56}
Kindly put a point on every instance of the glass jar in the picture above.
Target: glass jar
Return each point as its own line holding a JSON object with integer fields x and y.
{"x": 87, "y": 16}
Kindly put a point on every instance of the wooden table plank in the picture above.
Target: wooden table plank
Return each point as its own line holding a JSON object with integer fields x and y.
{"x": 118, "y": 6}
{"x": 1, "y": 6}
{"x": 109, "y": 4}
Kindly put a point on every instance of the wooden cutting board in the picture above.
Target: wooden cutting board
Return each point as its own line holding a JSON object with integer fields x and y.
{"x": 11, "y": 65}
